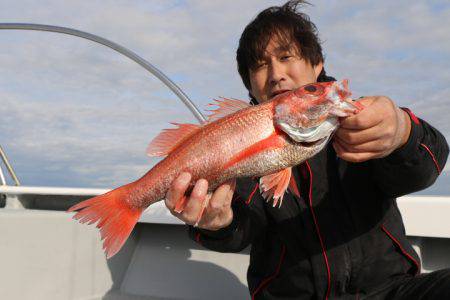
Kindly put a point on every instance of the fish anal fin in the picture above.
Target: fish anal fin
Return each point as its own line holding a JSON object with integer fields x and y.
{"x": 226, "y": 106}
{"x": 275, "y": 185}
{"x": 169, "y": 139}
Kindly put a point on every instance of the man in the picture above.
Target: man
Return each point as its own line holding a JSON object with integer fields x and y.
{"x": 344, "y": 237}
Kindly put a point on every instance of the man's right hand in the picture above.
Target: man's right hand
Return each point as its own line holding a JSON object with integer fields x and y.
{"x": 217, "y": 213}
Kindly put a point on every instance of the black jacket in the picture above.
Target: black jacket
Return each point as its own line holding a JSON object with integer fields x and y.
{"x": 345, "y": 236}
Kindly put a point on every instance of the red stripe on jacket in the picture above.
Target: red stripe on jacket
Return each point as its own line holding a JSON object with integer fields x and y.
{"x": 401, "y": 248}
{"x": 266, "y": 281}
{"x": 325, "y": 257}
{"x": 432, "y": 157}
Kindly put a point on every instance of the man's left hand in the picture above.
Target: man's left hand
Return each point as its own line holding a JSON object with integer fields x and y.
{"x": 375, "y": 132}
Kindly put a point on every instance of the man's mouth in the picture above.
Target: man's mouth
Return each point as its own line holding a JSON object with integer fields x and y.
{"x": 279, "y": 92}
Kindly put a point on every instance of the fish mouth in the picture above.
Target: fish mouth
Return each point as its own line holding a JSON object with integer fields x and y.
{"x": 314, "y": 143}
{"x": 311, "y": 136}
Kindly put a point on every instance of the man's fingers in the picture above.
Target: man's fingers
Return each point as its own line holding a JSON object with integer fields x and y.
{"x": 354, "y": 137}
{"x": 354, "y": 157}
{"x": 218, "y": 212}
{"x": 222, "y": 196}
{"x": 372, "y": 133}
{"x": 177, "y": 190}
{"x": 195, "y": 202}
{"x": 378, "y": 145}
{"x": 203, "y": 208}
{"x": 358, "y": 157}
{"x": 219, "y": 197}
{"x": 233, "y": 184}
{"x": 209, "y": 211}
{"x": 363, "y": 120}
{"x": 231, "y": 192}
{"x": 368, "y": 117}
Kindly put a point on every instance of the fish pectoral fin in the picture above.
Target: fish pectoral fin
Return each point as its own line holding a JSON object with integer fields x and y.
{"x": 275, "y": 185}
{"x": 169, "y": 139}
{"x": 226, "y": 106}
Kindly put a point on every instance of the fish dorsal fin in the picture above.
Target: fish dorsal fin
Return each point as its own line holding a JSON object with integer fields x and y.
{"x": 226, "y": 106}
{"x": 169, "y": 139}
{"x": 275, "y": 185}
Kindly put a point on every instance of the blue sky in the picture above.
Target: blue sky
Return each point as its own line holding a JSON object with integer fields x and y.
{"x": 78, "y": 114}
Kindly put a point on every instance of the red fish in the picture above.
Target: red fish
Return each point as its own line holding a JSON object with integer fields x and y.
{"x": 238, "y": 140}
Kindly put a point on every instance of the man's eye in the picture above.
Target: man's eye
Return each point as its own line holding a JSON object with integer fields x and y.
{"x": 285, "y": 57}
{"x": 260, "y": 64}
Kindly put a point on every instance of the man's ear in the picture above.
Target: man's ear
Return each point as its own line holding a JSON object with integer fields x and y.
{"x": 318, "y": 68}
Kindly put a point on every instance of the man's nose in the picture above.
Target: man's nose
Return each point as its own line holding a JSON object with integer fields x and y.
{"x": 276, "y": 73}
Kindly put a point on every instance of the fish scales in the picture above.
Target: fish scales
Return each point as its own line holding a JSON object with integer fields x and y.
{"x": 205, "y": 153}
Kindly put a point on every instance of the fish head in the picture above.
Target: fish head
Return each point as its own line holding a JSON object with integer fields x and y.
{"x": 311, "y": 112}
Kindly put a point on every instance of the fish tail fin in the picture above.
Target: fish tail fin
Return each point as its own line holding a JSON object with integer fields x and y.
{"x": 116, "y": 218}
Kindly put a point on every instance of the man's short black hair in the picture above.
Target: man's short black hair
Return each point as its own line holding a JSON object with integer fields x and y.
{"x": 288, "y": 25}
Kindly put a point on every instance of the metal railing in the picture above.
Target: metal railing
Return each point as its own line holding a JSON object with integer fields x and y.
{"x": 9, "y": 167}
{"x": 122, "y": 50}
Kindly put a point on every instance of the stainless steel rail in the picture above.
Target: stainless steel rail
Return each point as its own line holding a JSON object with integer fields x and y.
{"x": 122, "y": 50}
{"x": 9, "y": 167}
{"x": 2, "y": 177}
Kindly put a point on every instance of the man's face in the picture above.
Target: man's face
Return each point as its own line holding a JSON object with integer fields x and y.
{"x": 281, "y": 70}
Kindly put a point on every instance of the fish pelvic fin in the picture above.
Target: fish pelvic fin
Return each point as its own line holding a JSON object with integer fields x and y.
{"x": 116, "y": 219}
{"x": 226, "y": 106}
{"x": 275, "y": 185}
{"x": 169, "y": 139}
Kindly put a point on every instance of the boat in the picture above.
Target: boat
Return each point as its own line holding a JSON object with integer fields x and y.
{"x": 47, "y": 255}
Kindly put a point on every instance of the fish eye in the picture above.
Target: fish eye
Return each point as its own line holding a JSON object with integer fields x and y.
{"x": 310, "y": 88}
